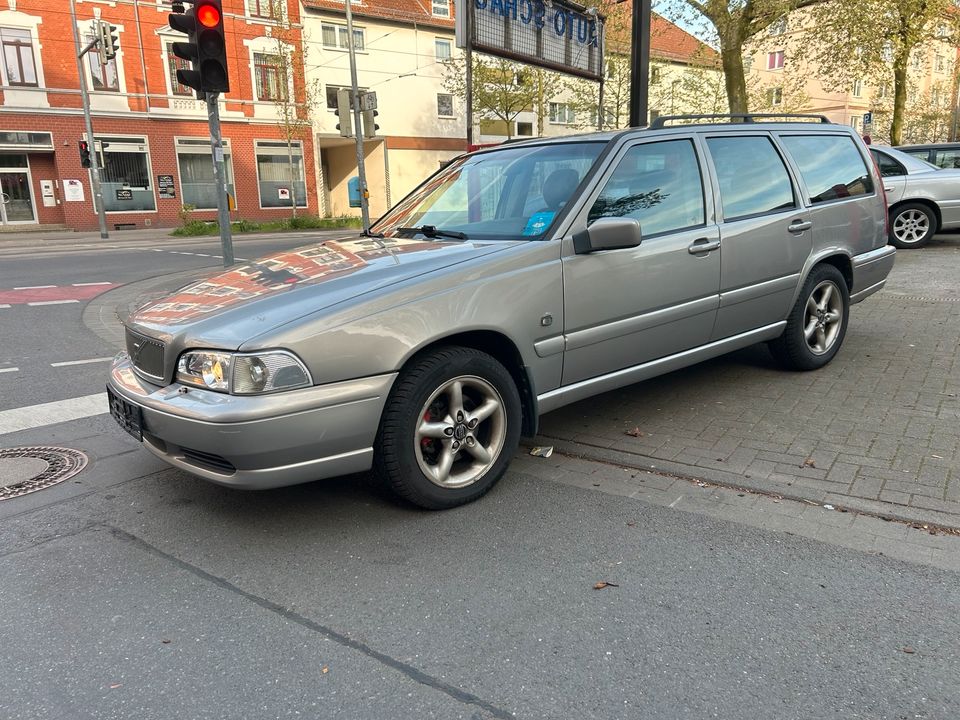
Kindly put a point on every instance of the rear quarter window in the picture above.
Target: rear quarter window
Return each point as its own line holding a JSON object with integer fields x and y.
{"x": 831, "y": 166}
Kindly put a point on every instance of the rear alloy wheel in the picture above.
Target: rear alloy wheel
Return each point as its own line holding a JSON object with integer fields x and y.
{"x": 449, "y": 429}
{"x": 817, "y": 323}
{"x": 912, "y": 226}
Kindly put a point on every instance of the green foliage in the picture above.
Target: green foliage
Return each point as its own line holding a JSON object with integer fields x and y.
{"x": 196, "y": 228}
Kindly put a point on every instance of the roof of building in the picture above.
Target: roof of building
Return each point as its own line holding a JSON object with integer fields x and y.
{"x": 405, "y": 11}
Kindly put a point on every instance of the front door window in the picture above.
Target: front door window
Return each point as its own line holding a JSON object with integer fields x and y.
{"x": 17, "y": 203}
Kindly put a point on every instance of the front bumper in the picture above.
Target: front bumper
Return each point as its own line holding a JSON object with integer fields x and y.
{"x": 870, "y": 270}
{"x": 258, "y": 442}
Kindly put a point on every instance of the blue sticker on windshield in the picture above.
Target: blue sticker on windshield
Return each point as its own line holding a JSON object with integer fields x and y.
{"x": 539, "y": 222}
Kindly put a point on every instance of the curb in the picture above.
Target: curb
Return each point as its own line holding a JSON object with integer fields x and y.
{"x": 864, "y": 506}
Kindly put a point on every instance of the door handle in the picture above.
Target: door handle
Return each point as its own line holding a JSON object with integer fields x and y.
{"x": 888, "y": 189}
{"x": 799, "y": 226}
{"x": 703, "y": 245}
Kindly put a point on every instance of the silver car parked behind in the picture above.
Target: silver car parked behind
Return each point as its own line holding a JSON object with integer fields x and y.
{"x": 923, "y": 199}
{"x": 513, "y": 281}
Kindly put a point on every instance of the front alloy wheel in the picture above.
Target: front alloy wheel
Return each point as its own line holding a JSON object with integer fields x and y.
{"x": 449, "y": 428}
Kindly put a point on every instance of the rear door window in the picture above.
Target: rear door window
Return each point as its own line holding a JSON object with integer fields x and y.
{"x": 657, "y": 183}
{"x": 753, "y": 179}
{"x": 888, "y": 166}
{"x": 831, "y": 166}
{"x": 947, "y": 158}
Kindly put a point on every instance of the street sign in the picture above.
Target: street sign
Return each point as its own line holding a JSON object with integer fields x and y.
{"x": 868, "y": 118}
{"x": 368, "y": 101}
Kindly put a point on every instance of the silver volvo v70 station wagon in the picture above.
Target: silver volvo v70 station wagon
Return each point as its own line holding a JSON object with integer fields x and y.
{"x": 513, "y": 281}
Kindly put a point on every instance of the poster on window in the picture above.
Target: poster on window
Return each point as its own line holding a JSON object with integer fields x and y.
{"x": 73, "y": 191}
{"x": 283, "y": 193}
{"x": 165, "y": 186}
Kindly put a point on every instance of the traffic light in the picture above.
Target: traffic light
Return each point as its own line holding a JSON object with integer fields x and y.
{"x": 109, "y": 42}
{"x": 370, "y": 126}
{"x": 84, "y": 153}
{"x": 344, "y": 110}
{"x": 205, "y": 49}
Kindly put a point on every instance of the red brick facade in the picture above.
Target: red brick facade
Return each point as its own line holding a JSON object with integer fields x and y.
{"x": 143, "y": 107}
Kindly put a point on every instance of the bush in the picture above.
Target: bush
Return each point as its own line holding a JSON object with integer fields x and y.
{"x": 193, "y": 228}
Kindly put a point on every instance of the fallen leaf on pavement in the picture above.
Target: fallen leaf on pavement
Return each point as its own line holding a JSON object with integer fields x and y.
{"x": 636, "y": 432}
{"x": 604, "y": 584}
{"x": 542, "y": 451}
{"x": 165, "y": 641}
{"x": 325, "y": 670}
{"x": 116, "y": 685}
{"x": 909, "y": 650}
{"x": 809, "y": 463}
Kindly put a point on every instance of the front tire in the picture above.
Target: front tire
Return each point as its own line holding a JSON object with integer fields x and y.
{"x": 912, "y": 225}
{"x": 817, "y": 323}
{"x": 449, "y": 428}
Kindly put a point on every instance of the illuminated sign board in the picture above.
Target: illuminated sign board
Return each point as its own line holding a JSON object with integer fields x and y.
{"x": 556, "y": 35}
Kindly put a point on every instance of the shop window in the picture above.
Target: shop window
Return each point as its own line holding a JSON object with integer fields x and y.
{"x": 126, "y": 174}
{"x": 197, "y": 185}
{"x": 276, "y": 177}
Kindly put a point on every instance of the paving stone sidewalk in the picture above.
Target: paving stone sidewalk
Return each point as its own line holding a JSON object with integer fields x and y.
{"x": 877, "y": 430}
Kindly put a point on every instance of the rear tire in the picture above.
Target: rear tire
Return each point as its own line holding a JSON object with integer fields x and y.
{"x": 449, "y": 428}
{"x": 912, "y": 225}
{"x": 817, "y": 323}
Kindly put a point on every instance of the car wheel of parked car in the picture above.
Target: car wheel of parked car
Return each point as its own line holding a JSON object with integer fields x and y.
{"x": 449, "y": 429}
{"x": 817, "y": 323}
{"x": 912, "y": 225}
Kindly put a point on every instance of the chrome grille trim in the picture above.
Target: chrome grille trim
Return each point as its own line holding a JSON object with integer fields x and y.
{"x": 146, "y": 354}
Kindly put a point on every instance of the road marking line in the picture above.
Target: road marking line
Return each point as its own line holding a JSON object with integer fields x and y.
{"x": 34, "y": 416}
{"x": 81, "y": 362}
{"x": 674, "y": 503}
{"x": 34, "y": 287}
{"x": 90, "y": 284}
{"x": 4, "y": 306}
{"x": 3, "y": 370}
{"x": 201, "y": 255}
{"x": 53, "y": 302}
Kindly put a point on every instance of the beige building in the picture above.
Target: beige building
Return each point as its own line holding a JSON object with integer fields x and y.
{"x": 400, "y": 45}
{"x": 778, "y": 81}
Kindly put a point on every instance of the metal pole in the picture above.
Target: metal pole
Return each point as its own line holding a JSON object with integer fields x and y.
{"x": 469, "y": 58}
{"x": 220, "y": 178}
{"x": 600, "y": 117}
{"x": 85, "y": 96}
{"x": 640, "y": 63}
{"x": 358, "y": 125}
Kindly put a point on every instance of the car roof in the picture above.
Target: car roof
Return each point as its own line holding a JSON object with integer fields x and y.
{"x": 929, "y": 146}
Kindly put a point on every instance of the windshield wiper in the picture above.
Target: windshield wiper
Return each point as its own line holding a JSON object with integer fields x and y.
{"x": 432, "y": 231}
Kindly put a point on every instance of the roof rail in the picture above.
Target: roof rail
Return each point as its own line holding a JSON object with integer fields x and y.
{"x": 662, "y": 121}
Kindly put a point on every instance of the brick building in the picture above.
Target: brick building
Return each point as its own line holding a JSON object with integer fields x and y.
{"x": 156, "y": 156}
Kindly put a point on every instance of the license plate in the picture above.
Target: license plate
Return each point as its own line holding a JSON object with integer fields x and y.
{"x": 127, "y": 415}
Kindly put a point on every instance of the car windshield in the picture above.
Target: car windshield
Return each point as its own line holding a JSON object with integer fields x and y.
{"x": 506, "y": 194}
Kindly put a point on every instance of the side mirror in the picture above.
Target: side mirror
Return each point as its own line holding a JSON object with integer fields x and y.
{"x": 608, "y": 233}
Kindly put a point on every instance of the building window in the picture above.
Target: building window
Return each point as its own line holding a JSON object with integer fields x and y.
{"x": 778, "y": 26}
{"x": 747, "y": 63}
{"x": 562, "y": 113}
{"x": 197, "y": 185}
{"x": 916, "y": 60}
{"x": 268, "y": 71}
{"x": 943, "y": 31}
{"x": 775, "y": 60}
{"x": 856, "y": 122}
{"x": 935, "y": 97}
{"x": 126, "y": 174}
{"x": 858, "y": 88}
{"x": 775, "y": 96}
{"x": 654, "y": 75}
{"x": 103, "y": 74}
{"x": 18, "y": 57}
{"x": 266, "y": 9}
{"x": 444, "y": 105}
{"x": 525, "y": 129}
{"x": 174, "y": 63}
{"x": 441, "y": 8}
{"x": 939, "y": 64}
{"x": 442, "y": 49}
{"x": 335, "y": 36}
{"x": 883, "y": 91}
{"x": 276, "y": 177}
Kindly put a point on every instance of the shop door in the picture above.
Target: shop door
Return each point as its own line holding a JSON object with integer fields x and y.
{"x": 17, "y": 200}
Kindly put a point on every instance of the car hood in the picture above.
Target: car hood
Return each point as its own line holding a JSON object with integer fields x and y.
{"x": 239, "y": 303}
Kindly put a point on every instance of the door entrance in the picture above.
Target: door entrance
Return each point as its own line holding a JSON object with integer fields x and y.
{"x": 17, "y": 199}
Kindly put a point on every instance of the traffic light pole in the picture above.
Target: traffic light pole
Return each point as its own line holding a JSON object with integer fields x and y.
{"x": 220, "y": 178}
{"x": 358, "y": 125}
{"x": 85, "y": 96}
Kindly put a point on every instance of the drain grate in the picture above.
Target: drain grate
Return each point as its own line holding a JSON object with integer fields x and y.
{"x": 61, "y": 464}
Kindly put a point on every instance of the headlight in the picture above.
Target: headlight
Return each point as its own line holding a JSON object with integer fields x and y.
{"x": 266, "y": 372}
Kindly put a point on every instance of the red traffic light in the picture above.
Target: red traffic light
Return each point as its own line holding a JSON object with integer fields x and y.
{"x": 208, "y": 15}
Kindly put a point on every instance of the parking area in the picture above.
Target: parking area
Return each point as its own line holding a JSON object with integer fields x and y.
{"x": 876, "y": 430}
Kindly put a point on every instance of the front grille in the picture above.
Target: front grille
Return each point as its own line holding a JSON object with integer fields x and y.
{"x": 208, "y": 460}
{"x": 146, "y": 354}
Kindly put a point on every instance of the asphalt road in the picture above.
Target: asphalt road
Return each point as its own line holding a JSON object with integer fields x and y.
{"x": 135, "y": 591}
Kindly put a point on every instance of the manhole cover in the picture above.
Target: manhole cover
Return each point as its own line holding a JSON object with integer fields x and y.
{"x": 28, "y": 469}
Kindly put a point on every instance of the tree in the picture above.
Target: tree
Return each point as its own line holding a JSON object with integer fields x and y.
{"x": 879, "y": 41}
{"x": 501, "y": 89}
{"x": 293, "y": 96}
{"x": 735, "y": 22}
